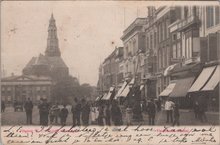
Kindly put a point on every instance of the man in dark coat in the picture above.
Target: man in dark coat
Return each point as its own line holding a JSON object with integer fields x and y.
{"x": 101, "y": 115}
{"x": 76, "y": 110}
{"x": 151, "y": 111}
{"x": 63, "y": 115}
{"x": 3, "y": 106}
{"x": 137, "y": 113}
{"x": 116, "y": 114}
{"x": 176, "y": 115}
{"x": 85, "y": 112}
{"x": 196, "y": 109}
{"x": 107, "y": 115}
{"x": 44, "y": 112}
{"x": 28, "y": 106}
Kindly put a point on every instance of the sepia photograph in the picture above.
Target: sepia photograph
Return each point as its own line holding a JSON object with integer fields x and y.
{"x": 111, "y": 63}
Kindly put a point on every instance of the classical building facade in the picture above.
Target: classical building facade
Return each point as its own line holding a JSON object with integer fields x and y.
{"x": 20, "y": 88}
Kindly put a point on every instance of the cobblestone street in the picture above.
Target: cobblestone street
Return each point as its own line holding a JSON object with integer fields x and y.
{"x": 9, "y": 117}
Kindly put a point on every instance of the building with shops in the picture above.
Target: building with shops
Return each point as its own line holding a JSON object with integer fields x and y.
{"x": 150, "y": 60}
{"x": 20, "y": 88}
{"x": 166, "y": 52}
{"x": 134, "y": 47}
{"x": 109, "y": 74}
{"x": 193, "y": 47}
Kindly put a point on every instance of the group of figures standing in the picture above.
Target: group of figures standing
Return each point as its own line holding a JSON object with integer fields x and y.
{"x": 107, "y": 113}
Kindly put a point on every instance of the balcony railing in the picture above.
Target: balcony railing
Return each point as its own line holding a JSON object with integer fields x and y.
{"x": 181, "y": 24}
{"x": 191, "y": 60}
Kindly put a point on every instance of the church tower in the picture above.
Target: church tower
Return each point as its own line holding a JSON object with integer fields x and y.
{"x": 52, "y": 40}
{"x": 51, "y": 64}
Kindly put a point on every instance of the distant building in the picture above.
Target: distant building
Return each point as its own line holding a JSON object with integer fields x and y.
{"x": 51, "y": 64}
{"x": 39, "y": 75}
{"x": 20, "y": 88}
{"x": 109, "y": 74}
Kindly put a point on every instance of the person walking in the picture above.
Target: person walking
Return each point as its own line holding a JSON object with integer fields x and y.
{"x": 169, "y": 110}
{"x": 44, "y": 112}
{"x": 101, "y": 115}
{"x": 54, "y": 113}
{"x": 28, "y": 106}
{"x": 158, "y": 103}
{"x": 107, "y": 115}
{"x": 76, "y": 111}
{"x": 129, "y": 115}
{"x": 201, "y": 112}
{"x": 196, "y": 109}
{"x": 137, "y": 112}
{"x": 116, "y": 114}
{"x": 93, "y": 114}
{"x": 63, "y": 115}
{"x": 176, "y": 115}
{"x": 151, "y": 111}
{"x": 3, "y": 106}
{"x": 85, "y": 112}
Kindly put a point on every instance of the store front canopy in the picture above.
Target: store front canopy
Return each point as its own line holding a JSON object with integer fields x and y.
{"x": 120, "y": 90}
{"x": 104, "y": 96}
{"x": 168, "y": 90}
{"x": 98, "y": 98}
{"x": 109, "y": 94}
{"x": 125, "y": 91}
{"x": 182, "y": 86}
{"x": 213, "y": 81}
{"x": 202, "y": 79}
{"x": 168, "y": 69}
{"x": 141, "y": 87}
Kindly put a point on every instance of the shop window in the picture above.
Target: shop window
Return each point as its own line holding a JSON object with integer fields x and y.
{"x": 209, "y": 16}
{"x": 174, "y": 37}
{"x": 178, "y": 50}
{"x": 151, "y": 41}
{"x": 217, "y": 15}
{"x": 186, "y": 12}
{"x": 174, "y": 50}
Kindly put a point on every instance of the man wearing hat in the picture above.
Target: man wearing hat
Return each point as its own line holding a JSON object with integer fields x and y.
{"x": 44, "y": 112}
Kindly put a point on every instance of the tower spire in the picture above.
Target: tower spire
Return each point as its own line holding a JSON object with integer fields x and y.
{"x": 52, "y": 40}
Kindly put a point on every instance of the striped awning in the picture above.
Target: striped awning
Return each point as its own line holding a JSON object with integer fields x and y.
{"x": 213, "y": 81}
{"x": 168, "y": 90}
{"x": 202, "y": 79}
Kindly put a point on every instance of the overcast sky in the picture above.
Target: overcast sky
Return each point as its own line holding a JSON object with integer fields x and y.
{"x": 86, "y": 31}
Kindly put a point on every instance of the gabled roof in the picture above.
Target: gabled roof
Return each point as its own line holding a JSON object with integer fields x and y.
{"x": 41, "y": 60}
{"x": 31, "y": 62}
{"x": 56, "y": 62}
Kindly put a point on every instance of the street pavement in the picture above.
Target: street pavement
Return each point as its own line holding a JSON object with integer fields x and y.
{"x": 9, "y": 117}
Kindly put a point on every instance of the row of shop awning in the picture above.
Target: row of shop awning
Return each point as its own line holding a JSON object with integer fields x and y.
{"x": 207, "y": 81}
{"x": 122, "y": 92}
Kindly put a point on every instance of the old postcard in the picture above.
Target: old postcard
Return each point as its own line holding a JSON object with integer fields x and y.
{"x": 110, "y": 72}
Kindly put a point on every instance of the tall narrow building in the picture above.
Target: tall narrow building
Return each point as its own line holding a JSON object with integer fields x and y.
{"x": 52, "y": 40}
{"x": 51, "y": 64}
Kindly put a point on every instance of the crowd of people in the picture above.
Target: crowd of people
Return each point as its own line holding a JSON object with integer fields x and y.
{"x": 107, "y": 113}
